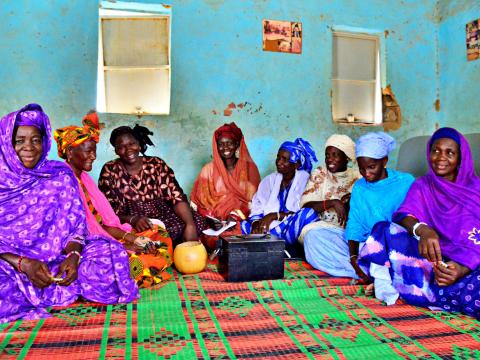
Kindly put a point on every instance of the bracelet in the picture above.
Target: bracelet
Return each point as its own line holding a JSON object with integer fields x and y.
{"x": 352, "y": 256}
{"x": 125, "y": 235}
{"x": 278, "y": 215}
{"x": 414, "y": 229}
{"x": 74, "y": 252}
{"x": 19, "y": 264}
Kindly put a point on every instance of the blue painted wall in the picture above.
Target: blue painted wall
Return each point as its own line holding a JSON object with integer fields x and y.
{"x": 49, "y": 55}
{"x": 459, "y": 78}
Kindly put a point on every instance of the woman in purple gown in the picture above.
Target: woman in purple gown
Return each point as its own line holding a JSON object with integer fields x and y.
{"x": 46, "y": 257}
{"x": 434, "y": 256}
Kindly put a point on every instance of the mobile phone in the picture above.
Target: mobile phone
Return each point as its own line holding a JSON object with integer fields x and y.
{"x": 215, "y": 220}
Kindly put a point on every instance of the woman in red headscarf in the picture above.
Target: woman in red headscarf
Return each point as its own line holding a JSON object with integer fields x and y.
{"x": 226, "y": 185}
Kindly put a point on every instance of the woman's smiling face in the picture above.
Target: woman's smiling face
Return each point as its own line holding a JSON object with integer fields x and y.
{"x": 335, "y": 159}
{"x": 28, "y": 144}
{"x": 127, "y": 148}
{"x": 445, "y": 158}
{"x": 226, "y": 147}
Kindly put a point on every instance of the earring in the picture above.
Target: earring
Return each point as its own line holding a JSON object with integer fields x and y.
{"x": 237, "y": 153}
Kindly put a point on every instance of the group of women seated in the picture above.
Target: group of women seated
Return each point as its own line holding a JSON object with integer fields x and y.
{"x": 63, "y": 238}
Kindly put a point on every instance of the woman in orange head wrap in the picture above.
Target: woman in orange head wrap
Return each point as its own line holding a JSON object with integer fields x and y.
{"x": 150, "y": 252}
{"x": 226, "y": 185}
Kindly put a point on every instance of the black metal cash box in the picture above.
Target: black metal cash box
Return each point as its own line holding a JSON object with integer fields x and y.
{"x": 251, "y": 257}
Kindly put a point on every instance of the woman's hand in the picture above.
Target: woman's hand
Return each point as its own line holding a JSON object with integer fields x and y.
{"x": 340, "y": 209}
{"x": 69, "y": 267}
{"x": 150, "y": 248}
{"x": 429, "y": 244}
{"x": 214, "y": 223}
{"x": 263, "y": 226}
{"x": 445, "y": 276}
{"x": 358, "y": 270}
{"x": 190, "y": 233}
{"x": 141, "y": 223}
{"x": 37, "y": 272}
{"x": 346, "y": 198}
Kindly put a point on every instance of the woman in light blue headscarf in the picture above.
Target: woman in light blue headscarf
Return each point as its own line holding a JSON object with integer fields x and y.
{"x": 275, "y": 207}
{"x": 375, "y": 197}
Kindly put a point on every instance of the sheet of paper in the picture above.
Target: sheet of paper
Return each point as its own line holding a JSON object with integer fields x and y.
{"x": 226, "y": 226}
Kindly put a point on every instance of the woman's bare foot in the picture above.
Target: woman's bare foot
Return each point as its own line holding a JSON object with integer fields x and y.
{"x": 369, "y": 289}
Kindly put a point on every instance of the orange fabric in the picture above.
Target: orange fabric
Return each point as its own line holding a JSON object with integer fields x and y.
{"x": 72, "y": 136}
{"x": 149, "y": 269}
{"x": 217, "y": 192}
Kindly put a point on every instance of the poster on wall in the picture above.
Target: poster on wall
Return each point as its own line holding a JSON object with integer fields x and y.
{"x": 282, "y": 36}
{"x": 473, "y": 40}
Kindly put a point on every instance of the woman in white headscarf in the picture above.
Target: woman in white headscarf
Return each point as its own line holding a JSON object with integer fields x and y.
{"x": 328, "y": 193}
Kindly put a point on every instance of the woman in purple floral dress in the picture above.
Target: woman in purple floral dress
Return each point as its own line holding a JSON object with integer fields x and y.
{"x": 46, "y": 256}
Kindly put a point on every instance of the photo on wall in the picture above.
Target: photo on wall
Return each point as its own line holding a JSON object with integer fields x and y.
{"x": 282, "y": 36}
{"x": 473, "y": 40}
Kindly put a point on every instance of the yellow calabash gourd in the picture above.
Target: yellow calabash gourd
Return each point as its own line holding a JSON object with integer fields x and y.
{"x": 190, "y": 257}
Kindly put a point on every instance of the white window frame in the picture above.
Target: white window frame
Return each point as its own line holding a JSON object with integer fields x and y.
{"x": 379, "y": 80}
{"x": 123, "y": 10}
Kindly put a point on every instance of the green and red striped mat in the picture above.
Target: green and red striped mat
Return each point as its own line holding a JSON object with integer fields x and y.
{"x": 307, "y": 315}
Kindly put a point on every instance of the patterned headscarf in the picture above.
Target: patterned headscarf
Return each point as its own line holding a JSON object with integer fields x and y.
{"x": 72, "y": 136}
{"x": 375, "y": 145}
{"x": 231, "y": 131}
{"x": 300, "y": 150}
{"x": 343, "y": 143}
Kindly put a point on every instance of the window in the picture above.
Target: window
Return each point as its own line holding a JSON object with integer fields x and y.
{"x": 134, "y": 58}
{"x": 356, "y": 84}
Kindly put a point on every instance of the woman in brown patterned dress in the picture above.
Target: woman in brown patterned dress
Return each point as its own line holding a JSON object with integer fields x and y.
{"x": 140, "y": 188}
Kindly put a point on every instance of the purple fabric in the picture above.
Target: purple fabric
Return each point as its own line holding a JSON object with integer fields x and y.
{"x": 451, "y": 208}
{"x": 412, "y": 275}
{"x": 40, "y": 212}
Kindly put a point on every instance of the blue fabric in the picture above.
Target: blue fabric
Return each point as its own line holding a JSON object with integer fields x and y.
{"x": 374, "y": 145}
{"x": 447, "y": 133}
{"x": 326, "y": 249}
{"x": 413, "y": 276}
{"x": 374, "y": 202}
{"x": 282, "y": 198}
{"x": 300, "y": 150}
{"x": 289, "y": 229}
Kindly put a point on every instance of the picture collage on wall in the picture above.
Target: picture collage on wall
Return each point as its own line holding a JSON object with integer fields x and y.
{"x": 473, "y": 40}
{"x": 282, "y": 36}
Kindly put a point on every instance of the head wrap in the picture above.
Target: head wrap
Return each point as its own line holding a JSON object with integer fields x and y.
{"x": 29, "y": 115}
{"x": 300, "y": 150}
{"x": 445, "y": 133}
{"x": 73, "y": 136}
{"x": 140, "y": 133}
{"x": 343, "y": 143}
{"x": 15, "y": 176}
{"x": 375, "y": 145}
{"x": 231, "y": 131}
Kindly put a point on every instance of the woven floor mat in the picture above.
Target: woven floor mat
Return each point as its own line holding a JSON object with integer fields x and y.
{"x": 307, "y": 315}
